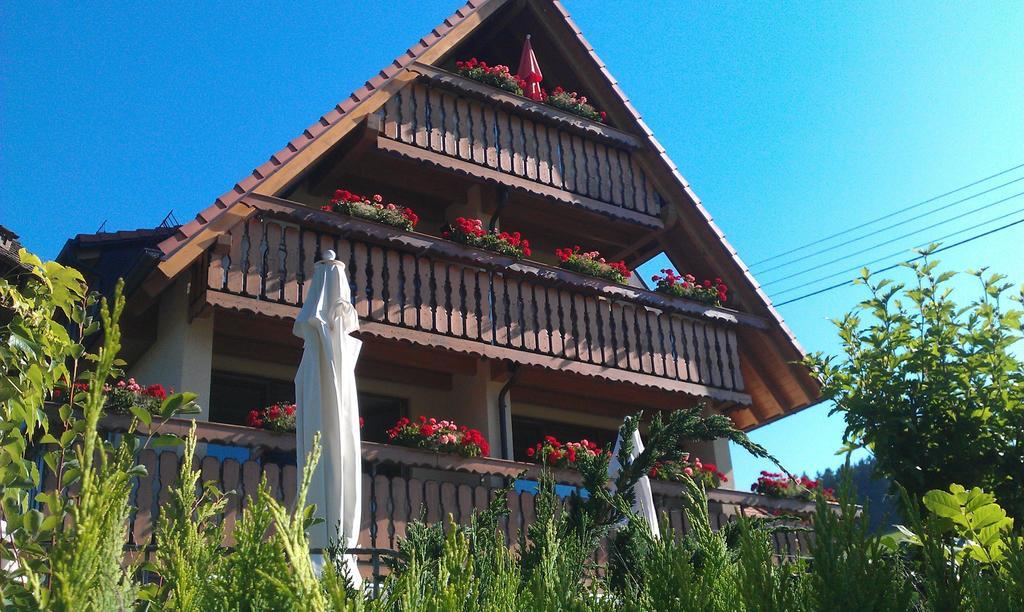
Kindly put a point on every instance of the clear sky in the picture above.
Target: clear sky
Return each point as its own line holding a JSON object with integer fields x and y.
{"x": 792, "y": 121}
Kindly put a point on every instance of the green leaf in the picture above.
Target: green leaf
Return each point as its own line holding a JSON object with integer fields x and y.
{"x": 942, "y": 503}
{"x": 990, "y": 535}
{"x": 143, "y": 415}
{"x": 33, "y": 521}
{"x": 987, "y": 516}
{"x": 174, "y": 404}
{"x": 166, "y": 440}
{"x": 50, "y": 523}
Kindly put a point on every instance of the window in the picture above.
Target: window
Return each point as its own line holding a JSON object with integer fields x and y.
{"x": 232, "y": 396}
{"x": 527, "y": 432}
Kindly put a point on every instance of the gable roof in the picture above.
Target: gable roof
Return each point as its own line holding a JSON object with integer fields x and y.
{"x": 191, "y": 239}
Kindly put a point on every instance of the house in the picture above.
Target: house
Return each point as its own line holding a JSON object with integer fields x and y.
{"x": 517, "y": 348}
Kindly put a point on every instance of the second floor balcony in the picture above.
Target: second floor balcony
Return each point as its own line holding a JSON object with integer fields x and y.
{"x": 435, "y": 293}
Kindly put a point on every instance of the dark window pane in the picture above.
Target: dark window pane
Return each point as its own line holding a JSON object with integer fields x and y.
{"x": 232, "y": 396}
{"x": 526, "y": 432}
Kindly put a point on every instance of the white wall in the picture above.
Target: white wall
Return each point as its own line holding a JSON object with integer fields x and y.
{"x": 181, "y": 357}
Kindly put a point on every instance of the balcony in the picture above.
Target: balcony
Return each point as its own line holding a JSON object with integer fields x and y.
{"x": 397, "y": 483}
{"x": 436, "y": 293}
{"x": 473, "y": 129}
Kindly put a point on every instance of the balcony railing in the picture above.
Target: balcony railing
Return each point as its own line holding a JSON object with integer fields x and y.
{"x": 481, "y": 126}
{"x": 399, "y": 486}
{"x": 435, "y": 292}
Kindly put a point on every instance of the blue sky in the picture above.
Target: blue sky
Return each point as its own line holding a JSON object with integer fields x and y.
{"x": 791, "y": 121}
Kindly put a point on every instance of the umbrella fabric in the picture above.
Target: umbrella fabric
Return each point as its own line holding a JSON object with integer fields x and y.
{"x": 529, "y": 71}
{"x": 325, "y": 397}
{"x": 643, "y": 503}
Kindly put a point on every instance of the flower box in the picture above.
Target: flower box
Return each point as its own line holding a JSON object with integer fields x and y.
{"x": 278, "y": 417}
{"x": 372, "y": 208}
{"x": 440, "y": 436}
{"x": 496, "y": 76}
{"x": 501, "y": 76}
{"x": 773, "y": 484}
{"x": 471, "y": 232}
{"x": 124, "y": 395}
{"x": 683, "y": 468}
{"x": 572, "y": 102}
{"x": 592, "y": 264}
{"x": 562, "y": 454}
{"x": 714, "y": 293}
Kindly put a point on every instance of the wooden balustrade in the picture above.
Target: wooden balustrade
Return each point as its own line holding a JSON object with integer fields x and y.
{"x": 484, "y": 302}
{"x": 400, "y": 485}
{"x": 447, "y": 114}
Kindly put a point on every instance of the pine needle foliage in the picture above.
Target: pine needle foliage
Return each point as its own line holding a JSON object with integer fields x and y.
{"x": 188, "y": 556}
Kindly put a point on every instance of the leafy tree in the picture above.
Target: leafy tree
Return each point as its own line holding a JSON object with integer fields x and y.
{"x": 931, "y": 387}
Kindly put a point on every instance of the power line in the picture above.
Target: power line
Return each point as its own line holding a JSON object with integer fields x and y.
{"x": 886, "y": 216}
{"x": 888, "y": 227}
{"x": 886, "y": 269}
{"x": 901, "y": 251}
{"x": 892, "y": 240}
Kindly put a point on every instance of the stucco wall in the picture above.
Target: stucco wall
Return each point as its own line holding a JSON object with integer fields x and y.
{"x": 181, "y": 357}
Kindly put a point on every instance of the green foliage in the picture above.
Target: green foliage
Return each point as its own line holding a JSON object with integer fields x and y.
{"x": 69, "y": 551}
{"x": 847, "y": 556}
{"x": 188, "y": 558}
{"x": 239, "y": 584}
{"x": 872, "y": 491}
{"x": 933, "y": 388}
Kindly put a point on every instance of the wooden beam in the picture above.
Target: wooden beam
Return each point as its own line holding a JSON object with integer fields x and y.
{"x": 568, "y": 401}
{"x": 767, "y": 403}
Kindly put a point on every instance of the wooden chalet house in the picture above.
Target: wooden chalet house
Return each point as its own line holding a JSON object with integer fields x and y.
{"x": 517, "y": 348}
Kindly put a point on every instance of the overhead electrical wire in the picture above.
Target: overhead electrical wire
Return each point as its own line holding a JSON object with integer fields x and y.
{"x": 901, "y": 252}
{"x": 892, "y": 240}
{"x": 887, "y": 228}
{"x": 896, "y": 265}
{"x": 886, "y": 216}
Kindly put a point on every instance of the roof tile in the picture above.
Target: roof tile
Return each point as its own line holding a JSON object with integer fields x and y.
{"x": 264, "y": 169}
{"x": 246, "y": 184}
{"x": 298, "y": 142}
{"x": 333, "y": 115}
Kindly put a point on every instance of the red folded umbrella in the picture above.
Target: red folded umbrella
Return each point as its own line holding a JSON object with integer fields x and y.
{"x": 529, "y": 71}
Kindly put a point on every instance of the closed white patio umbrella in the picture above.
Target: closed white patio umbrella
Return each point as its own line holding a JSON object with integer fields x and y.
{"x": 326, "y": 401}
{"x": 643, "y": 503}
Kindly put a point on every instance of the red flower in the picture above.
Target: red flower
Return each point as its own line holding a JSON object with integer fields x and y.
{"x": 253, "y": 419}
{"x": 156, "y": 391}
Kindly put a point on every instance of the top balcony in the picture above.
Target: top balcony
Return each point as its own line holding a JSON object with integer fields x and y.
{"x": 471, "y": 128}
